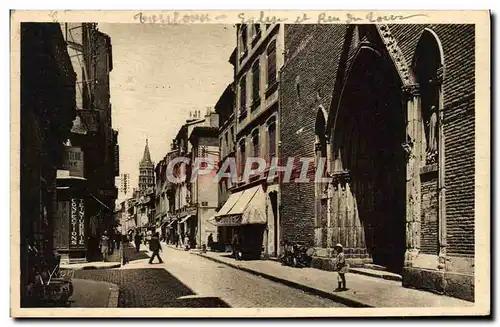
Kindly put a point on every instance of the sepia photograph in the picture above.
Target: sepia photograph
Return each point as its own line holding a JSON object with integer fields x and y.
{"x": 243, "y": 161}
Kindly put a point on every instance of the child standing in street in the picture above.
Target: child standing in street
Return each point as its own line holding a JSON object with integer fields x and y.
{"x": 104, "y": 245}
{"x": 340, "y": 268}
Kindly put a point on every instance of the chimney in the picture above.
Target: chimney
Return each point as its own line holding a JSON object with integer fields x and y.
{"x": 213, "y": 119}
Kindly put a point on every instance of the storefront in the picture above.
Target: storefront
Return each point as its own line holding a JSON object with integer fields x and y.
{"x": 242, "y": 221}
{"x": 172, "y": 233}
{"x": 189, "y": 227}
{"x": 71, "y": 221}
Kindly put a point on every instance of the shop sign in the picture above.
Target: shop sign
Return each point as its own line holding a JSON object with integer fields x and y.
{"x": 77, "y": 225}
{"x": 234, "y": 220}
{"x": 117, "y": 159}
{"x": 73, "y": 161}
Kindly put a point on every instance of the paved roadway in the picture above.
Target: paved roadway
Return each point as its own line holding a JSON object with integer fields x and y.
{"x": 188, "y": 280}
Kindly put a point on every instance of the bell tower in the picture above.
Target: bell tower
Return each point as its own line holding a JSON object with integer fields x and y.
{"x": 146, "y": 170}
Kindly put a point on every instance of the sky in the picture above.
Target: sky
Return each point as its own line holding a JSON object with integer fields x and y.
{"x": 160, "y": 74}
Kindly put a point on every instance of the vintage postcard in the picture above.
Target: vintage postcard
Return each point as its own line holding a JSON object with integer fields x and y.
{"x": 247, "y": 164}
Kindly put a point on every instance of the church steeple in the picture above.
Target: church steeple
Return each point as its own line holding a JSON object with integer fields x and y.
{"x": 146, "y": 158}
{"x": 146, "y": 170}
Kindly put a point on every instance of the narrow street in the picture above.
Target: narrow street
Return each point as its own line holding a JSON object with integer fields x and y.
{"x": 187, "y": 280}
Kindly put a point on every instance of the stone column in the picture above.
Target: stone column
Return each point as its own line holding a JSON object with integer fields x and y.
{"x": 441, "y": 175}
{"x": 412, "y": 146}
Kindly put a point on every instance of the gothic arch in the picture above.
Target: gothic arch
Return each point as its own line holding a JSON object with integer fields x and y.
{"x": 391, "y": 50}
{"x": 363, "y": 51}
{"x": 367, "y": 132}
{"x": 430, "y": 37}
{"x": 428, "y": 69}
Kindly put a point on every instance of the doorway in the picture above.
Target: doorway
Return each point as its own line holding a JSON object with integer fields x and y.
{"x": 369, "y": 130}
{"x": 273, "y": 198}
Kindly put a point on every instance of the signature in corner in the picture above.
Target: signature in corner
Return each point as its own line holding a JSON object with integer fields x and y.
{"x": 372, "y": 18}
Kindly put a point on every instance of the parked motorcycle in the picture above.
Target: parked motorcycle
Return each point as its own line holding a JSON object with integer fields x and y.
{"x": 296, "y": 254}
{"x": 46, "y": 286}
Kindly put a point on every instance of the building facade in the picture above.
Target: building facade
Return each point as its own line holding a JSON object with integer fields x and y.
{"x": 205, "y": 153}
{"x": 258, "y": 60}
{"x": 227, "y": 151}
{"x": 390, "y": 110}
{"x": 191, "y": 200}
{"x": 47, "y": 110}
{"x": 87, "y": 175}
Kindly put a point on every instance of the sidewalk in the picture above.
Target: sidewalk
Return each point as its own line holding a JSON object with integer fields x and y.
{"x": 114, "y": 261}
{"x": 93, "y": 294}
{"x": 364, "y": 291}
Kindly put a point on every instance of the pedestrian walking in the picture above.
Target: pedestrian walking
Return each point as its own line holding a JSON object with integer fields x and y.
{"x": 340, "y": 267}
{"x": 155, "y": 246}
{"x": 118, "y": 239}
{"x": 235, "y": 245}
{"x": 104, "y": 246}
{"x": 210, "y": 241}
{"x": 111, "y": 243}
{"x": 137, "y": 241}
{"x": 186, "y": 242}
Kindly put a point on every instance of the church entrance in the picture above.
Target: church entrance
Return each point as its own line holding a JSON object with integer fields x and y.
{"x": 369, "y": 129}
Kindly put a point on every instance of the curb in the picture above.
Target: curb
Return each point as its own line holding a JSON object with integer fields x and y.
{"x": 117, "y": 265}
{"x": 375, "y": 275}
{"x": 331, "y": 296}
{"x": 114, "y": 292}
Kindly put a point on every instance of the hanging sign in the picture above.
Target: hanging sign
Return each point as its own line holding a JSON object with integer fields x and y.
{"x": 73, "y": 161}
{"x": 77, "y": 225}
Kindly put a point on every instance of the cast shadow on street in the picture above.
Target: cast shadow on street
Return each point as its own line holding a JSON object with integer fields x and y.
{"x": 130, "y": 254}
{"x": 150, "y": 288}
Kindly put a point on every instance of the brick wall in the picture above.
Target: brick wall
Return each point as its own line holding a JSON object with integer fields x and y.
{"x": 458, "y": 42}
{"x": 429, "y": 215}
{"x": 312, "y": 54}
{"x": 312, "y": 60}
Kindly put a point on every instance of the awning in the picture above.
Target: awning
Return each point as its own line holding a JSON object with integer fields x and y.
{"x": 185, "y": 219}
{"x": 248, "y": 208}
{"x": 233, "y": 198}
{"x": 171, "y": 223}
{"x": 100, "y": 202}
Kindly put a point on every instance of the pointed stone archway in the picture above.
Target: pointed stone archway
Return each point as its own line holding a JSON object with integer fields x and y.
{"x": 369, "y": 165}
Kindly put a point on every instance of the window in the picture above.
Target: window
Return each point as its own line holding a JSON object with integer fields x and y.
{"x": 231, "y": 138}
{"x": 272, "y": 139}
{"x": 271, "y": 64}
{"x": 222, "y": 149}
{"x": 255, "y": 143}
{"x": 255, "y": 85}
{"x": 243, "y": 39}
{"x": 242, "y": 157}
{"x": 243, "y": 97}
{"x": 255, "y": 33}
{"x": 227, "y": 142}
{"x": 257, "y": 29}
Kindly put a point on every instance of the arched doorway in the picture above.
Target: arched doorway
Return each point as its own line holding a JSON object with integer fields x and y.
{"x": 368, "y": 131}
{"x": 321, "y": 159}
